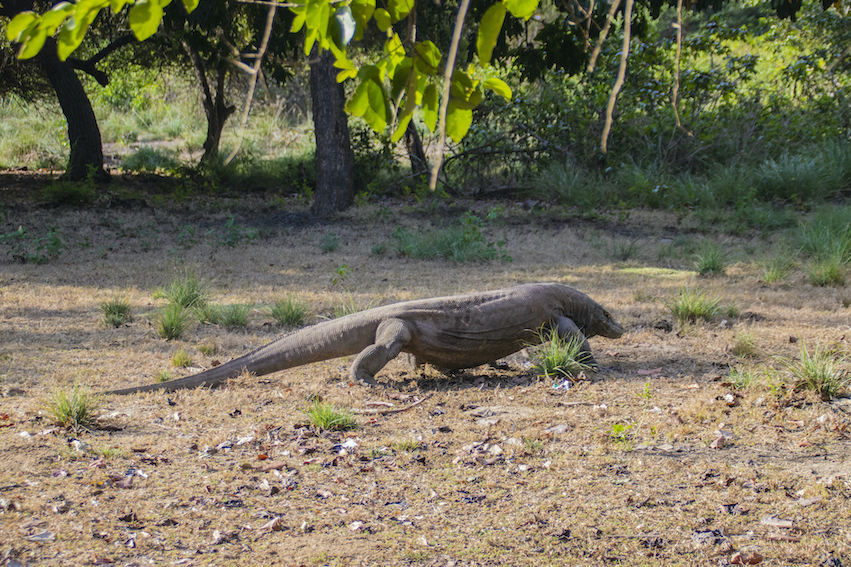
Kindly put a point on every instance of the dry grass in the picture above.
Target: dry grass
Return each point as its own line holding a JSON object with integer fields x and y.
{"x": 495, "y": 468}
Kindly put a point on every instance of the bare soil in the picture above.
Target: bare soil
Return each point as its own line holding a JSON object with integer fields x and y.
{"x": 495, "y": 467}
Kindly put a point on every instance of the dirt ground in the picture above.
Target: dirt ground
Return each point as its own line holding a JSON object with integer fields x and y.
{"x": 494, "y": 467}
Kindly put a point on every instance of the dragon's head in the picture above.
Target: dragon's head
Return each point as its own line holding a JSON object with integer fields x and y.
{"x": 603, "y": 324}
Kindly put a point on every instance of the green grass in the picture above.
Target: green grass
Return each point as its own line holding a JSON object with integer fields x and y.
{"x": 171, "y": 322}
{"x": 691, "y": 305}
{"x": 711, "y": 260}
{"x": 162, "y": 376}
{"x": 116, "y": 312}
{"x": 185, "y": 290}
{"x": 290, "y": 312}
{"x": 820, "y": 371}
{"x": 557, "y": 357}
{"x": 624, "y": 250}
{"x": 74, "y": 409}
{"x": 826, "y": 271}
{"x": 151, "y": 159}
{"x": 329, "y": 417}
{"x": 330, "y": 242}
{"x": 181, "y": 359}
{"x": 235, "y": 314}
{"x": 744, "y": 345}
{"x": 461, "y": 243}
{"x": 777, "y": 268}
{"x": 827, "y": 234}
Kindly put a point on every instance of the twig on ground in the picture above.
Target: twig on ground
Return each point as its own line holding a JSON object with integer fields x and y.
{"x": 390, "y": 411}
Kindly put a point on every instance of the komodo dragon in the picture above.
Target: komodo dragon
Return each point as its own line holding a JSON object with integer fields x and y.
{"x": 461, "y": 331}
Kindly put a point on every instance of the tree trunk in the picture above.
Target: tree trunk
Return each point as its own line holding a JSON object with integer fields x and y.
{"x": 419, "y": 165}
{"x": 86, "y": 156}
{"x": 215, "y": 109}
{"x": 335, "y": 160}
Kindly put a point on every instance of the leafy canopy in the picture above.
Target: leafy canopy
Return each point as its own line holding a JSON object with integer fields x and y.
{"x": 406, "y": 76}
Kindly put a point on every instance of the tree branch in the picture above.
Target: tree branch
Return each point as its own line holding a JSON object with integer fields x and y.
{"x": 88, "y": 66}
{"x": 258, "y": 60}
{"x": 603, "y": 33}
{"x": 447, "y": 87}
{"x": 616, "y": 89}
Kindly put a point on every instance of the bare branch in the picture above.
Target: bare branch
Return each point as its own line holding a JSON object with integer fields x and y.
{"x": 447, "y": 85}
{"x": 603, "y": 33}
{"x": 676, "y": 90}
{"x": 258, "y": 60}
{"x": 616, "y": 89}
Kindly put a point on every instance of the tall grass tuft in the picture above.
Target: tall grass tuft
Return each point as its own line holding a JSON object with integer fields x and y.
{"x": 116, "y": 312}
{"x": 691, "y": 305}
{"x": 171, "y": 321}
{"x": 461, "y": 243}
{"x": 559, "y": 357}
{"x": 186, "y": 290}
{"x": 820, "y": 371}
{"x": 776, "y": 269}
{"x": 235, "y": 315}
{"x": 329, "y": 417}
{"x": 290, "y": 312}
{"x": 74, "y": 409}
{"x": 711, "y": 260}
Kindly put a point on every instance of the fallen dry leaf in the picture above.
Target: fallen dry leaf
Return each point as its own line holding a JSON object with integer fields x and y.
{"x": 746, "y": 558}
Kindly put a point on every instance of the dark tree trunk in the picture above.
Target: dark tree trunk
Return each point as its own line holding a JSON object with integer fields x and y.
{"x": 216, "y": 110}
{"x": 86, "y": 156}
{"x": 419, "y": 165}
{"x": 335, "y": 160}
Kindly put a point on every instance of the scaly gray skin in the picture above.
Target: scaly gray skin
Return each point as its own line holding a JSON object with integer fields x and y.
{"x": 461, "y": 331}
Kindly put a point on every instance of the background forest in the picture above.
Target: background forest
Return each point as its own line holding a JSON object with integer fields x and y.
{"x": 762, "y": 124}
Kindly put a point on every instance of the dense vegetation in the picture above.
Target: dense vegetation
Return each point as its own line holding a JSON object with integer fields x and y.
{"x": 763, "y": 105}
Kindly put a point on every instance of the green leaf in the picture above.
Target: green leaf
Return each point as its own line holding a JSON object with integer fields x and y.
{"x": 382, "y": 19}
{"x": 32, "y": 42}
{"x": 343, "y": 27}
{"x": 458, "y": 121}
{"x": 401, "y": 126}
{"x": 300, "y": 12}
{"x": 499, "y": 87}
{"x": 429, "y": 57}
{"x": 145, "y": 17}
{"x": 430, "y": 103}
{"x": 359, "y": 103}
{"x": 19, "y": 24}
{"x": 378, "y": 112}
{"x": 318, "y": 12}
{"x": 190, "y": 5}
{"x": 56, "y": 17}
{"x": 399, "y": 9}
{"x": 362, "y": 11}
{"x": 401, "y": 77}
{"x": 524, "y": 9}
{"x": 489, "y": 29}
